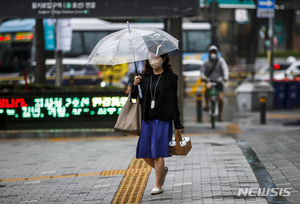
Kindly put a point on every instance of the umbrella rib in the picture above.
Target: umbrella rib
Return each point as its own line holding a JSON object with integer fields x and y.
{"x": 145, "y": 45}
{"x": 114, "y": 56}
{"x": 131, "y": 47}
{"x": 166, "y": 36}
{"x": 96, "y": 47}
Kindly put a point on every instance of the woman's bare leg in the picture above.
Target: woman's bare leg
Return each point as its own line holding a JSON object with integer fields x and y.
{"x": 149, "y": 161}
{"x": 159, "y": 164}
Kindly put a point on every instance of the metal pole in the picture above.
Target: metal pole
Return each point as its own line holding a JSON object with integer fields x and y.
{"x": 235, "y": 42}
{"x": 174, "y": 27}
{"x": 58, "y": 58}
{"x": 199, "y": 107}
{"x": 263, "y": 107}
{"x": 58, "y": 68}
{"x": 111, "y": 80}
{"x": 270, "y": 32}
{"x": 213, "y": 18}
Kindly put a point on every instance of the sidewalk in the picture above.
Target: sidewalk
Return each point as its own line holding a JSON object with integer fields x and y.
{"x": 211, "y": 173}
{"x": 104, "y": 169}
{"x": 93, "y": 170}
{"x": 278, "y": 148}
{"x": 276, "y": 144}
{"x": 67, "y": 171}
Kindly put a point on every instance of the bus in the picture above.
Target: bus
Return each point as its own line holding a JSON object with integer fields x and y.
{"x": 17, "y": 43}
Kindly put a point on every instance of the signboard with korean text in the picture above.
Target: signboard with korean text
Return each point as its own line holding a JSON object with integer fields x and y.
{"x": 98, "y": 8}
{"x": 266, "y": 8}
{"x": 60, "y": 110}
{"x": 231, "y": 4}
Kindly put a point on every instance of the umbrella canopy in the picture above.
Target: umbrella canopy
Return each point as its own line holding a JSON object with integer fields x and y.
{"x": 132, "y": 44}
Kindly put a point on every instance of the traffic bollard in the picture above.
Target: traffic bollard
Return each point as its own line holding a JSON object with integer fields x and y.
{"x": 263, "y": 107}
{"x": 71, "y": 79}
{"x": 199, "y": 107}
{"x": 25, "y": 79}
{"x": 111, "y": 80}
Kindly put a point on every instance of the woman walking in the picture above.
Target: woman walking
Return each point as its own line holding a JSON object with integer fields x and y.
{"x": 159, "y": 108}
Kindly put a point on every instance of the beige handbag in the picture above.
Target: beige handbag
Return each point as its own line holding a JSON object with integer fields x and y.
{"x": 130, "y": 118}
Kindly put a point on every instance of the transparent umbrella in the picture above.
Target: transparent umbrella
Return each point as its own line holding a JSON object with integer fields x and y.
{"x": 131, "y": 45}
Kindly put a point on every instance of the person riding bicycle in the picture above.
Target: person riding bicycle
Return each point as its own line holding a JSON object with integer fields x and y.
{"x": 214, "y": 69}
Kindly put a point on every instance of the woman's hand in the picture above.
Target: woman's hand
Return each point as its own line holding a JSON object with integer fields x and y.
{"x": 137, "y": 80}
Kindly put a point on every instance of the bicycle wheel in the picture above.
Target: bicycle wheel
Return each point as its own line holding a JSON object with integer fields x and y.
{"x": 212, "y": 116}
{"x": 213, "y": 121}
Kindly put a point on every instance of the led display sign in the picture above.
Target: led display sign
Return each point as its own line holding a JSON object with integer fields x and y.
{"x": 60, "y": 108}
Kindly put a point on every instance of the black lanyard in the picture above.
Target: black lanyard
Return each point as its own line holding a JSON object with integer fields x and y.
{"x": 153, "y": 97}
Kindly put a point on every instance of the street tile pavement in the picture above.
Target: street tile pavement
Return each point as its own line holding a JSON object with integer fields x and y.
{"x": 35, "y": 158}
{"x": 38, "y": 158}
{"x": 212, "y": 172}
{"x": 278, "y": 148}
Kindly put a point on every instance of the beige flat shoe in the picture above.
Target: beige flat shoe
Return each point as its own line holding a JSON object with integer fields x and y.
{"x": 156, "y": 191}
{"x": 164, "y": 176}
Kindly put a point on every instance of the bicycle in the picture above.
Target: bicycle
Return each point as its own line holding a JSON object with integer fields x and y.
{"x": 213, "y": 93}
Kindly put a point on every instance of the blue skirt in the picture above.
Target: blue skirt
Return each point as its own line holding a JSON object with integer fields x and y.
{"x": 154, "y": 139}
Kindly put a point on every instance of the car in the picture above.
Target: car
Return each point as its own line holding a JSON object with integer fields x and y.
{"x": 293, "y": 69}
{"x": 191, "y": 74}
{"x": 280, "y": 68}
{"x": 72, "y": 68}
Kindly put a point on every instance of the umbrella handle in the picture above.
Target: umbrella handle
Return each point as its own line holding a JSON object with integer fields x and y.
{"x": 140, "y": 91}
{"x": 128, "y": 26}
{"x": 139, "y": 86}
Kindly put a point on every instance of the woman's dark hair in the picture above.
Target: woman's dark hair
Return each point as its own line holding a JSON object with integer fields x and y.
{"x": 166, "y": 65}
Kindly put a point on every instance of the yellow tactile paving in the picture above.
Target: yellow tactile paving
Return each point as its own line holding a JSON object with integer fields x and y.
{"x": 233, "y": 129}
{"x": 134, "y": 182}
{"x": 113, "y": 172}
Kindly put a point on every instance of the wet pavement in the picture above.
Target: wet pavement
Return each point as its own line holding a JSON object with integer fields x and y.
{"x": 238, "y": 154}
{"x": 275, "y": 145}
{"x": 212, "y": 173}
{"x": 278, "y": 149}
{"x": 69, "y": 171}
